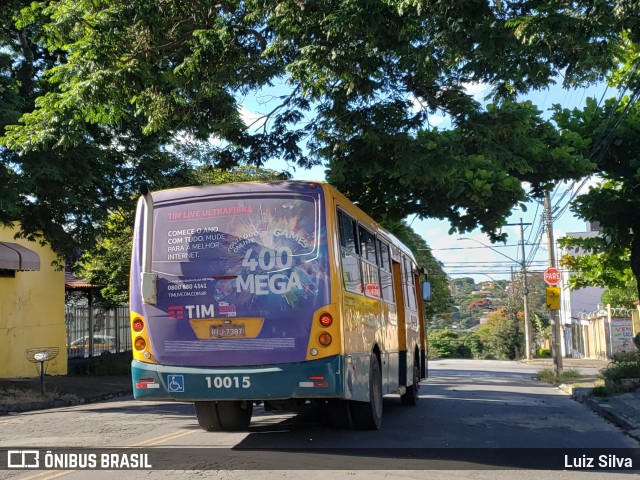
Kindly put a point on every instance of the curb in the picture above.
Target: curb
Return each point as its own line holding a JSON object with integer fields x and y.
{"x": 608, "y": 412}
{"x": 604, "y": 409}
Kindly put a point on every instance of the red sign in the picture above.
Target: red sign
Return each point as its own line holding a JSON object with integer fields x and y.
{"x": 552, "y": 276}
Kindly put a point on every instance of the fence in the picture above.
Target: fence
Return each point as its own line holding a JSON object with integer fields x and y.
{"x": 602, "y": 333}
{"x": 96, "y": 331}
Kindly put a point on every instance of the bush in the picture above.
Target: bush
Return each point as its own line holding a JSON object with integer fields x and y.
{"x": 623, "y": 365}
{"x": 600, "y": 391}
{"x": 544, "y": 353}
{"x": 450, "y": 344}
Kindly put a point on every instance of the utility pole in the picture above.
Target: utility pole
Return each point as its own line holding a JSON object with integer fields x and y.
{"x": 516, "y": 326}
{"x": 525, "y": 288}
{"x": 553, "y": 314}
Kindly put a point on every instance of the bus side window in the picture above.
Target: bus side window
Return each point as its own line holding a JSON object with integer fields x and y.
{"x": 409, "y": 287}
{"x": 386, "y": 277}
{"x": 348, "y": 251}
{"x": 369, "y": 254}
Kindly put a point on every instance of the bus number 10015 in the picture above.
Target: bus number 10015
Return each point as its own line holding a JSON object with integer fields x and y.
{"x": 228, "y": 382}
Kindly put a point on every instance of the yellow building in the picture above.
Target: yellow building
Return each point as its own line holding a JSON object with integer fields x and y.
{"x": 31, "y": 307}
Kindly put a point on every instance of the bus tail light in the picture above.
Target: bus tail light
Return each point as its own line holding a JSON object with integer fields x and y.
{"x": 325, "y": 339}
{"x": 140, "y": 344}
{"x": 326, "y": 320}
{"x": 137, "y": 325}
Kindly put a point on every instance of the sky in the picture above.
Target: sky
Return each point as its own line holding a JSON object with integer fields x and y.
{"x": 472, "y": 254}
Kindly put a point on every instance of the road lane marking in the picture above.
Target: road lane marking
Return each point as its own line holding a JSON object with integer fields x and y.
{"x": 48, "y": 475}
{"x": 157, "y": 440}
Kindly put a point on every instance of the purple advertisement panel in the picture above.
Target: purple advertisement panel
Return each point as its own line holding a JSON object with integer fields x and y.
{"x": 239, "y": 277}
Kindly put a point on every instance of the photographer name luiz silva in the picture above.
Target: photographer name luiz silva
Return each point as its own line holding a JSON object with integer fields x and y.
{"x": 602, "y": 461}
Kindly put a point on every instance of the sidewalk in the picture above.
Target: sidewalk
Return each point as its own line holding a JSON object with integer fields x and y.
{"x": 60, "y": 391}
{"x": 621, "y": 409}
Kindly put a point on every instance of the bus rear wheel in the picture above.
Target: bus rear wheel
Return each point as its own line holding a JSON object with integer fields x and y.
{"x": 368, "y": 415}
{"x": 235, "y": 415}
{"x": 207, "y": 415}
{"x": 225, "y": 416}
{"x": 410, "y": 397}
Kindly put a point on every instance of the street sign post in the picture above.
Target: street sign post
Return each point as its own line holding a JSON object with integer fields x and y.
{"x": 552, "y": 276}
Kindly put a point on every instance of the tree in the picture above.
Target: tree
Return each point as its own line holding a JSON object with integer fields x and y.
{"x": 621, "y": 296}
{"x": 500, "y": 336}
{"x": 610, "y": 135}
{"x": 64, "y": 189}
{"x": 133, "y": 90}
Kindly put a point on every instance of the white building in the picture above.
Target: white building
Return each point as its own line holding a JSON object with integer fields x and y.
{"x": 576, "y": 305}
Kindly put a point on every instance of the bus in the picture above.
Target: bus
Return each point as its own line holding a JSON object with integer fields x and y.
{"x": 281, "y": 294}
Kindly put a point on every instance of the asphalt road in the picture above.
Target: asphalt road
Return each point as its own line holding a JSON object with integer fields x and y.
{"x": 468, "y": 414}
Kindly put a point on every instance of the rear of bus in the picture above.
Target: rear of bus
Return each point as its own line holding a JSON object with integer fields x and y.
{"x": 234, "y": 304}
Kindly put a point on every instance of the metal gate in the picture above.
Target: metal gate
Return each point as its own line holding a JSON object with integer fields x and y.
{"x": 93, "y": 331}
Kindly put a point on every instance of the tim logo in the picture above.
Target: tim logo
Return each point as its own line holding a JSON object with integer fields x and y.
{"x": 193, "y": 311}
{"x": 176, "y": 313}
{"x": 23, "y": 459}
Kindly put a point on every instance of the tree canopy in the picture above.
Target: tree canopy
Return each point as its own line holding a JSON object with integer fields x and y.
{"x": 605, "y": 260}
{"x": 102, "y": 95}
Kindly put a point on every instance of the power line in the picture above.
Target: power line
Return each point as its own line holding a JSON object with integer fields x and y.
{"x": 471, "y": 248}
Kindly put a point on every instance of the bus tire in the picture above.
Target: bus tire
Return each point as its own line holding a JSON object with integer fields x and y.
{"x": 235, "y": 415}
{"x": 410, "y": 397}
{"x": 368, "y": 415}
{"x": 207, "y": 415}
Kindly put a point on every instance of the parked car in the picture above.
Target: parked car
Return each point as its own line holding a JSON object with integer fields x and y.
{"x": 102, "y": 344}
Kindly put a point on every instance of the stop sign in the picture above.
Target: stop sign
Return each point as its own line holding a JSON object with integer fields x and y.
{"x": 552, "y": 276}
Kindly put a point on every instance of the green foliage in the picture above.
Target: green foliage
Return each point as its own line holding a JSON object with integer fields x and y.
{"x": 616, "y": 152}
{"x": 544, "y": 353}
{"x": 500, "y": 337}
{"x": 109, "y": 262}
{"x": 548, "y": 375}
{"x": 623, "y": 296}
{"x": 623, "y": 373}
{"x": 113, "y": 94}
{"x": 450, "y": 344}
{"x": 623, "y": 365}
{"x": 600, "y": 391}
{"x": 596, "y": 261}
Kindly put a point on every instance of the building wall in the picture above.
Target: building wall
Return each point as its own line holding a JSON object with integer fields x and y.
{"x": 31, "y": 314}
{"x": 575, "y": 306}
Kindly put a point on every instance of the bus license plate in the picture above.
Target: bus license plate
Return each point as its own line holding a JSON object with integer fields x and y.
{"x": 218, "y": 331}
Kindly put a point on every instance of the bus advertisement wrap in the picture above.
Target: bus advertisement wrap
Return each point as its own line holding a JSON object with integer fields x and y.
{"x": 238, "y": 279}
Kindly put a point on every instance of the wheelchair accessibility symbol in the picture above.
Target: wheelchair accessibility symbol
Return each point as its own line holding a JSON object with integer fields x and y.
{"x": 175, "y": 383}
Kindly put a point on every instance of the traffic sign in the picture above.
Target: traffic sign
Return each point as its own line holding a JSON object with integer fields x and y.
{"x": 553, "y": 298}
{"x": 552, "y": 276}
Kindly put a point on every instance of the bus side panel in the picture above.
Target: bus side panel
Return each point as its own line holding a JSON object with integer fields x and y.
{"x": 362, "y": 323}
{"x": 422, "y": 341}
{"x": 135, "y": 299}
{"x": 402, "y": 324}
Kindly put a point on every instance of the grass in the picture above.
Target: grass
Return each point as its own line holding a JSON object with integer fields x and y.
{"x": 548, "y": 375}
{"x": 613, "y": 379}
{"x": 17, "y": 396}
